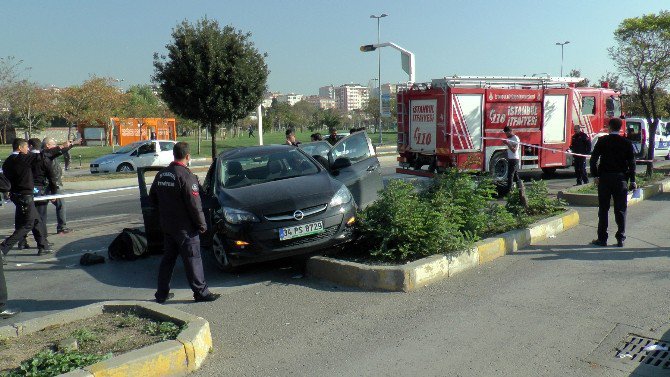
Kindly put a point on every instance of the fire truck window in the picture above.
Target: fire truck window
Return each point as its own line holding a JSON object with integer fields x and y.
{"x": 588, "y": 105}
{"x": 613, "y": 107}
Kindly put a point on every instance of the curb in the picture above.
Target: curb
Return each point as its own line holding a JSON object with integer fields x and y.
{"x": 414, "y": 275}
{"x": 173, "y": 357}
{"x": 591, "y": 200}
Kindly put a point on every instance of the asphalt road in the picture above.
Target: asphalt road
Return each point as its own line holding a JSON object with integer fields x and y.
{"x": 541, "y": 311}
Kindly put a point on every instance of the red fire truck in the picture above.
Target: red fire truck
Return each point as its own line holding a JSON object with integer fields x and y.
{"x": 458, "y": 122}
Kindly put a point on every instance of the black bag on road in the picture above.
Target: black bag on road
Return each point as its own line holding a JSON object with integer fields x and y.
{"x": 131, "y": 244}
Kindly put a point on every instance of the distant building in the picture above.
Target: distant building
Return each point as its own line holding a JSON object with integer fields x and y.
{"x": 321, "y": 102}
{"x": 327, "y": 92}
{"x": 290, "y": 98}
{"x": 351, "y": 97}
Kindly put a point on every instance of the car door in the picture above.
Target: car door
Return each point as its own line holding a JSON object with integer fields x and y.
{"x": 146, "y": 155}
{"x": 165, "y": 152}
{"x": 210, "y": 203}
{"x": 353, "y": 162}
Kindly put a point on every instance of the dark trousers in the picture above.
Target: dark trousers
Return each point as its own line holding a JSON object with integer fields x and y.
{"x": 60, "y": 214}
{"x": 66, "y": 159}
{"x": 188, "y": 246}
{"x": 26, "y": 219}
{"x": 512, "y": 173}
{"x": 612, "y": 187}
{"x": 3, "y": 288}
{"x": 580, "y": 170}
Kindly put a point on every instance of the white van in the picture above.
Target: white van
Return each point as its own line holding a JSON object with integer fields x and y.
{"x": 637, "y": 131}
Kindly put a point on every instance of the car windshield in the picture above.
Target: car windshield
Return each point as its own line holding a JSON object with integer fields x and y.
{"x": 127, "y": 148}
{"x": 262, "y": 168}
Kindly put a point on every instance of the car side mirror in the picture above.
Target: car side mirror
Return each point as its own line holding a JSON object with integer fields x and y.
{"x": 340, "y": 163}
{"x": 134, "y": 153}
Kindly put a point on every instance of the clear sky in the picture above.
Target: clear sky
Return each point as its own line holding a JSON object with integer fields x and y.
{"x": 312, "y": 43}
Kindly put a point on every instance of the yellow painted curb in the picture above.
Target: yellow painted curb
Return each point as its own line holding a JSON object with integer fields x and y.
{"x": 419, "y": 273}
{"x": 169, "y": 358}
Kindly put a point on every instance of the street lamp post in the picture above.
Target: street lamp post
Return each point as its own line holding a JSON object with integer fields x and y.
{"x": 562, "y": 45}
{"x": 379, "y": 76}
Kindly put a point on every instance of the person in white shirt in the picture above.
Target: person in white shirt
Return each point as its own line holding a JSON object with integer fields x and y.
{"x": 513, "y": 158}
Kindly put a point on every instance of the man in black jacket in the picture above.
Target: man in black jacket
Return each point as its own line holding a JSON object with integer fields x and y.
{"x": 580, "y": 144}
{"x": 616, "y": 169}
{"x": 18, "y": 169}
{"x": 175, "y": 192}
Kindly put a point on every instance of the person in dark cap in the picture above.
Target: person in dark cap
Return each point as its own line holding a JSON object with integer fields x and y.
{"x": 580, "y": 144}
{"x": 613, "y": 167}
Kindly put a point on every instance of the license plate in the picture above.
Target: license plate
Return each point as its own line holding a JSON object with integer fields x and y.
{"x": 300, "y": 230}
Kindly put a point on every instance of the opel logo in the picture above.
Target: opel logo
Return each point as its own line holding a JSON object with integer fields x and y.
{"x": 298, "y": 215}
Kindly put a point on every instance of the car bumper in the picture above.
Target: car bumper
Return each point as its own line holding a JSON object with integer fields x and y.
{"x": 264, "y": 244}
{"x": 100, "y": 169}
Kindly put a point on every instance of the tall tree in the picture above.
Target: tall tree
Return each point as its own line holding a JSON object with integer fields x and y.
{"x": 613, "y": 80}
{"x": 142, "y": 102}
{"x": 642, "y": 53}
{"x": 93, "y": 102}
{"x": 211, "y": 75}
{"x": 578, "y": 73}
{"x": 11, "y": 71}
{"x": 32, "y": 105}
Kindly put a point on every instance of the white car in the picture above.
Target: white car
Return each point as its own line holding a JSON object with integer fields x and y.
{"x": 132, "y": 156}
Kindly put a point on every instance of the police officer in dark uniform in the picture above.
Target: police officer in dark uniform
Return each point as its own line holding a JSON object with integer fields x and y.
{"x": 580, "y": 144}
{"x": 611, "y": 175}
{"x": 175, "y": 192}
{"x": 18, "y": 169}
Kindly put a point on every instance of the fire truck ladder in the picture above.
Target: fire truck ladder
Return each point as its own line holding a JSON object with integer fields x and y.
{"x": 510, "y": 82}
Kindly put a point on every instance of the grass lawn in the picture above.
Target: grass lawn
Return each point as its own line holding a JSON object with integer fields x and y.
{"x": 88, "y": 154}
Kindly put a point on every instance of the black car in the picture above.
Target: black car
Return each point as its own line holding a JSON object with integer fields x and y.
{"x": 270, "y": 202}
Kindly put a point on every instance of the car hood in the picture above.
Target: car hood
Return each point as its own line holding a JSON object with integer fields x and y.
{"x": 108, "y": 157}
{"x": 286, "y": 195}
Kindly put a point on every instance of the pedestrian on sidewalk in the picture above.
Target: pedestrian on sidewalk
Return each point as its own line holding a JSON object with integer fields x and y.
{"x": 581, "y": 144}
{"x": 175, "y": 192}
{"x": 513, "y": 158}
{"x": 612, "y": 175}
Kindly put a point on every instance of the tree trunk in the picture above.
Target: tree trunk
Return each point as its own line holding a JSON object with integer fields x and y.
{"x": 199, "y": 132}
{"x": 212, "y": 131}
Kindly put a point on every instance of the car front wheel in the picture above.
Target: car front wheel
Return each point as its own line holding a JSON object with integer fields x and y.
{"x": 125, "y": 168}
{"x": 220, "y": 255}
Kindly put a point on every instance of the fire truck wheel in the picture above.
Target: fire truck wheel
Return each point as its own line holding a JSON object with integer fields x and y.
{"x": 548, "y": 172}
{"x": 498, "y": 167}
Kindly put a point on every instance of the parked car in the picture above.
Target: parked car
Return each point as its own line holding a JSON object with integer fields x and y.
{"x": 132, "y": 156}
{"x": 637, "y": 131}
{"x": 270, "y": 202}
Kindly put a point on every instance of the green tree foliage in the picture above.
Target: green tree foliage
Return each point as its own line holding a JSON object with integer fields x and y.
{"x": 578, "y": 73}
{"x": 211, "y": 75}
{"x": 613, "y": 79}
{"x": 142, "y": 102}
{"x": 31, "y": 105}
{"x": 642, "y": 54}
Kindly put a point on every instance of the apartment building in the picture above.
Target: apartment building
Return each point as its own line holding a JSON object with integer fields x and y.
{"x": 322, "y": 102}
{"x": 351, "y": 97}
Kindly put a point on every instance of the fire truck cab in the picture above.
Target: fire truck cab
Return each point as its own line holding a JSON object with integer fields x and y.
{"x": 458, "y": 122}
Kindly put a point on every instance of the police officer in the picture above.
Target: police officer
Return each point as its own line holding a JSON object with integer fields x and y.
{"x": 18, "y": 170}
{"x": 580, "y": 144}
{"x": 175, "y": 192}
{"x": 611, "y": 175}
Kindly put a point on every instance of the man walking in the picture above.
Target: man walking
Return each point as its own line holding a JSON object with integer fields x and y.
{"x": 251, "y": 131}
{"x": 175, "y": 192}
{"x": 580, "y": 144}
{"x": 611, "y": 175}
{"x": 513, "y": 158}
{"x": 18, "y": 170}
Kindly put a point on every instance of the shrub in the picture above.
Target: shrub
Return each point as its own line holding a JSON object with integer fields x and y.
{"x": 49, "y": 363}
{"x": 164, "y": 330}
{"x": 538, "y": 199}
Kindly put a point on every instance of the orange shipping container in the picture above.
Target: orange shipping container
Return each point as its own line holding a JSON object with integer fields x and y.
{"x": 124, "y": 131}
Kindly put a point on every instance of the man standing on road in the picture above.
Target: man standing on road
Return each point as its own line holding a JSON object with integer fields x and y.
{"x": 513, "y": 158}
{"x": 51, "y": 151}
{"x": 175, "y": 192}
{"x": 580, "y": 144}
{"x": 616, "y": 169}
{"x": 332, "y": 137}
{"x": 18, "y": 170}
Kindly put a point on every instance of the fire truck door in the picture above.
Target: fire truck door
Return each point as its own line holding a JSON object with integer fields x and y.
{"x": 466, "y": 122}
{"x": 554, "y": 130}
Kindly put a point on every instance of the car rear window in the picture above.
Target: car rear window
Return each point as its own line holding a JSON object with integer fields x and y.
{"x": 253, "y": 170}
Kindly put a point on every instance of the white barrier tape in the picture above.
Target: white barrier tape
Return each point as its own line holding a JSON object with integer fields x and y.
{"x": 536, "y": 146}
{"x": 83, "y": 193}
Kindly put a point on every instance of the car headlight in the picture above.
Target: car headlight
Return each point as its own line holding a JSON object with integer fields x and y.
{"x": 238, "y": 216}
{"x": 342, "y": 196}
{"x": 106, "y": 162}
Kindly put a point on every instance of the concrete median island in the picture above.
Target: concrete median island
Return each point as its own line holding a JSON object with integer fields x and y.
{"x": 416, "y": 274}
{"x": 575, "y": 198}
{"x": 184, "y": 352}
